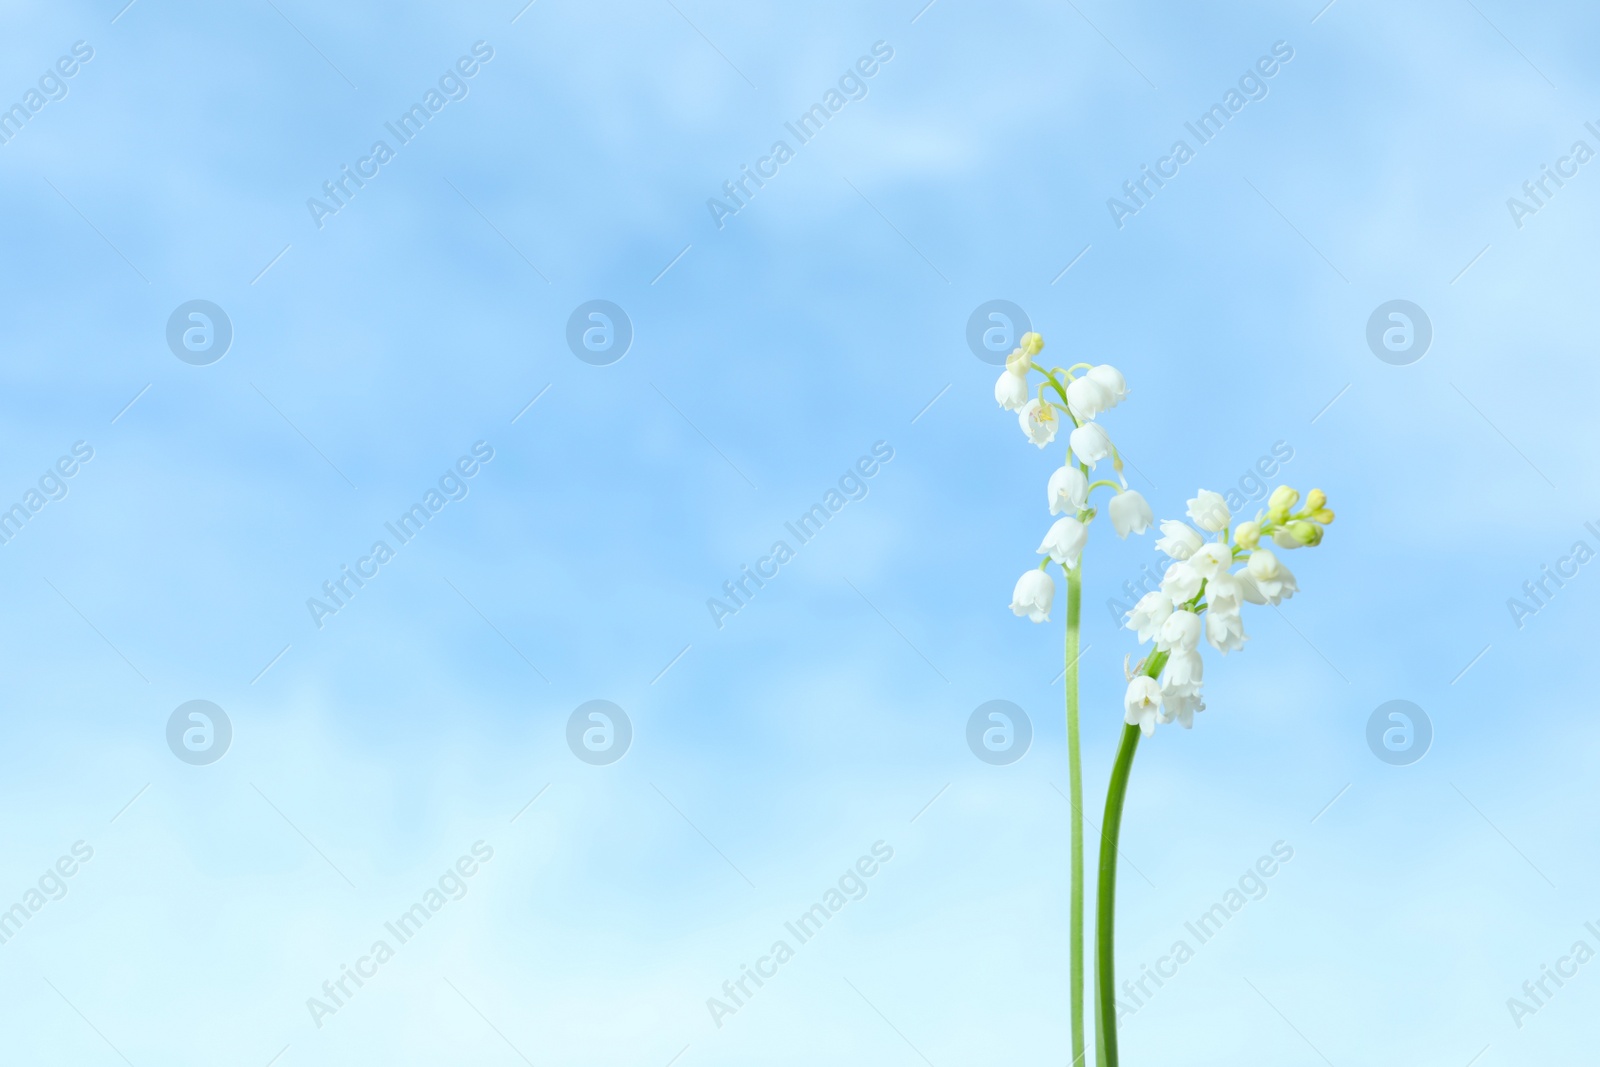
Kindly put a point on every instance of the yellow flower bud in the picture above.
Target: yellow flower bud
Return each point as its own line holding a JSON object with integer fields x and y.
{"x": 1315, "y": 500}
{"x": 1032, "y": 344}
{"x": 1322, "y": 515}
{"x": 1281, "y": 502}
{"x": 1248, "y": 535}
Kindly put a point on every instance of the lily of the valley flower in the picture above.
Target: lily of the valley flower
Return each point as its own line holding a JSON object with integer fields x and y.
{"x": 1180, "y": 583}
{"x": 1010, "y": 391}
{"x": 1210, "y": 559}
{"x": 1179, "y": 703}
{"x": 1090, "y": 443}
{"x": 1142, "y": 704}
{"x": 1202, "y": 595}
{"x": 1068, "y": 490}
{"x": 1209, "y": 511}
{"x": 1178, "y": 539}
{"x": 1033, "y": 595}
{"x": 1269, "y": 578}
{"x": 1039, "y": 422}
{"x": 1225, "y": 630}
{"x": 1183, "y": 669}
{"x": 1225, "y": 592}
{"x": 1064, "y": 541}
{"x": 1149, "y": 614}
{"x": 1110, "y": 379}
{"x": 1087, "y": 398}
{"x": 1180, "y": 633}
{"x": 1130, "y": 513}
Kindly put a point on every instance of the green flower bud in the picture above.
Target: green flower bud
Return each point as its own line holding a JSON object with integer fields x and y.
{"x": 1307, "y": 533}
{"x": 1032, "y": 344}
{"x": 1248, "y": 535}
{"x": 1316, "y": 500}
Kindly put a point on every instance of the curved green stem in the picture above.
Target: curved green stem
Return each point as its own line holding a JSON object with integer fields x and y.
{"x": 1105, "y": 989}
{"x": 1075, "y": 793}
{"x": 1105, "y": 482}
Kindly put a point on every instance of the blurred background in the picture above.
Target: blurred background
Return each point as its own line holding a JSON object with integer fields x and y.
{"x": 257, "y": 342}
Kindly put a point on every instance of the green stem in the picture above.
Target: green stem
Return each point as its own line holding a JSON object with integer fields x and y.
{"x": 1075, "y": 791}
{"x": 1105, "y": 897}
{"x": 1105, "y": 989}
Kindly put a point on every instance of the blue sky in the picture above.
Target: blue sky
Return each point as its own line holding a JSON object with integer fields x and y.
{"x": 769, "y": 354}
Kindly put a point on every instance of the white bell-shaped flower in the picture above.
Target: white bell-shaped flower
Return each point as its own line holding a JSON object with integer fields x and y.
{"x": 1180, "y": 632}
{"x": 1178, "y": 539}
{"x": 1267, "y": 576}
{"x": 1179, "y": 703}
{"x": 1209, "y": 511}
{"x": 1039, "y": 422}
{"x": 1142, "y": 704}
{"x": 1090, "y": 443}
{"x": 1149, "y": 614}
{"x": 1184, "y": 669}
{"x": 1064, "y": 541}
{"x": 1224, "y": 630}
{"x": 1180, "y": 583}
{"x": 1033, "y": 595}
{"x": 1130, "y": 513}
{"x": 1068, "y": 490}
{"x": 1226, "y": 592}
{"x": 1111, "y": 380}
{"x": 1010, "y": 392}
{"x": 1087, "y": 398}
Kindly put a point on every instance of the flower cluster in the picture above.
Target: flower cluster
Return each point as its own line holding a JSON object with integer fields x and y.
{"x": 1200, "y": 595}
{"x": 1080, "y": 397}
